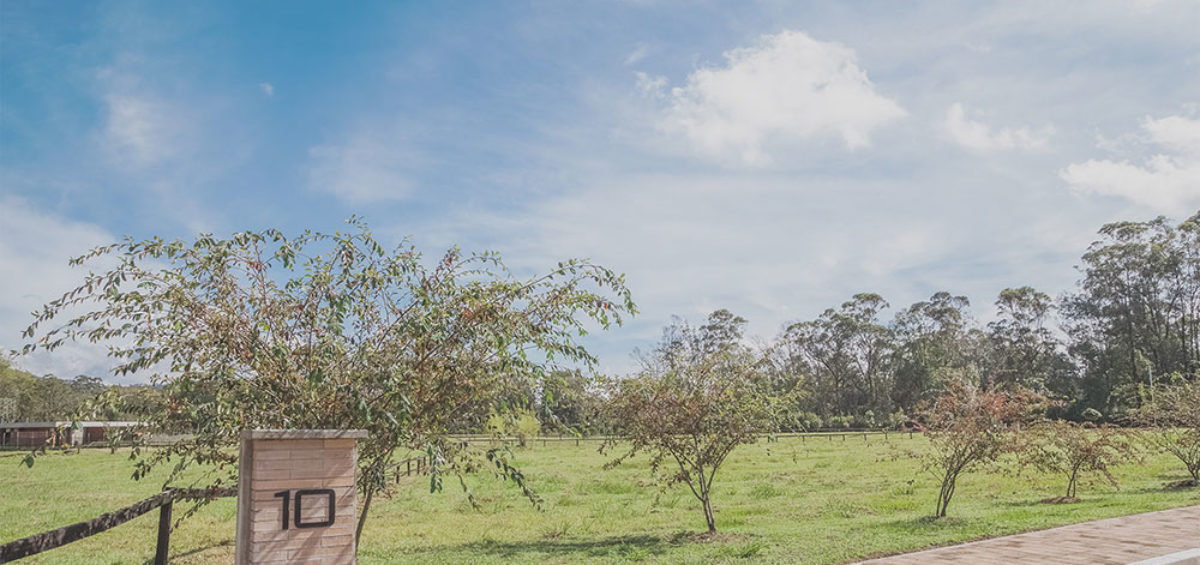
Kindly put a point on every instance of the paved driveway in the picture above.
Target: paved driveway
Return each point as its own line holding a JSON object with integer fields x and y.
{"x": 1113, "y": 541}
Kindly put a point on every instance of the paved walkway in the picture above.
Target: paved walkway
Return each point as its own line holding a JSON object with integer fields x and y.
{"x": 1113, "y": 541}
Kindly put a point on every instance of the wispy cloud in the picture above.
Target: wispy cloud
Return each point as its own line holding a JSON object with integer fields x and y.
{"x": 141, "y": 129}
{"x": 979, "y": 136}
{"x": 368, "y": 167}
{"x": 34, "y": 248}
{"x": 1166, "y": 181}
{"x": 787, "y": 87}
{"x": 637, "y": 54}
{"x": 267, "y": 88}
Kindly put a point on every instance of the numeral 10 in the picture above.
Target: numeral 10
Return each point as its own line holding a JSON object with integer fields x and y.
{"x": 287, "y": 497}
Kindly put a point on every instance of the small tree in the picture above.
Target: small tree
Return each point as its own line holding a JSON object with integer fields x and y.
{"x": 323, "y": 331}
{"x": 1173, "y": 413}
{"x": 967, "y": 429}
{"x": 697, "y": 398}
{"x": 1075, "y": 450}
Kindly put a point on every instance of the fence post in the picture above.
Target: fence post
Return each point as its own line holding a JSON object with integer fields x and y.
{"x": 164, "y": 534}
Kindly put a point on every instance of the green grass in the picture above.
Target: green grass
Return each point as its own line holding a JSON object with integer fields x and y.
{"x": 786, "y": 502}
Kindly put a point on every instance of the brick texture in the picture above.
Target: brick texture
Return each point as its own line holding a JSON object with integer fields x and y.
{"x": 275, "y": 469}
{"x": 1104, "y": 542}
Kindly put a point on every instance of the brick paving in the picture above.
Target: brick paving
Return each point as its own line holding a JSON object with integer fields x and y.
{"x": 1115, "y": 541}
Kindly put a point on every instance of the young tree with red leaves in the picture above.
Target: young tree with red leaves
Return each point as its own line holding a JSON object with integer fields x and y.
{"x": 1075, "y": 451}
{"x": 967, "y": 428}
{"x": 698, "y": 397}
{"x": 1173, "y": 414}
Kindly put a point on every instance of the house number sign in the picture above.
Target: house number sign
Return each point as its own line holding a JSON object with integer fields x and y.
{"x": 296, "y": 497}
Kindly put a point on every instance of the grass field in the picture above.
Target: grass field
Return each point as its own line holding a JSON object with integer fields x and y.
{"x": 819, "y": 501}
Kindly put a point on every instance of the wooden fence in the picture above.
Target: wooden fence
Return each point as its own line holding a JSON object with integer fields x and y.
{"x": 164, "y": 500}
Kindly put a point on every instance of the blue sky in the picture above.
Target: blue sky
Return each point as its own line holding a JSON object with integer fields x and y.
{"x": 773, "y": 158}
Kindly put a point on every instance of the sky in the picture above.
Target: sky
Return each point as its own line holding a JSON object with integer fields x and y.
{"x": 769, "y": 157}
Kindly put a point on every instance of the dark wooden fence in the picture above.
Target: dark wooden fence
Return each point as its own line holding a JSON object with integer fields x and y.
{"x": 46, "y": 541}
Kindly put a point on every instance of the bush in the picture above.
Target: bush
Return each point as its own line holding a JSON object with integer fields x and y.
{"x": 522, "y": 424}
{"x": 839, "y": 422}
{"x": 1174, "y": 413}
{"x": 809, "y": 421}
{"x": 1075, "y": 451}
{"x": 967, "y": 428}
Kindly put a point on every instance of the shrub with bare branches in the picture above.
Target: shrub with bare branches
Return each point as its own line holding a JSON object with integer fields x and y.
{"x": 1076, "y": 451}
{"x": 968, "y": 428}
{"x": 1173, "y": 413}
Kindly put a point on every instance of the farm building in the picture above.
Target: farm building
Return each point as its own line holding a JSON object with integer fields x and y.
{"x": 34, "y": 434}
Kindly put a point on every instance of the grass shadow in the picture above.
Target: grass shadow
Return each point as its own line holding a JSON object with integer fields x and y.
{"x": 173, "y": 556}
{"x": 1170, "y": 486}
{"x": 619, "y": 546}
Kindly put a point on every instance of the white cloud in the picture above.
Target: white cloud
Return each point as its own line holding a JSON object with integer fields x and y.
{"x": 637, "y": 54}
{"x": 34, "y": 249}
{"x": 771, "y": 248}
{"x": 1167, "y": 181}
{"x": 788, "y": 87}
{"x": 367, "y": 168}
{"x": 651, "y": 86}
{"x": 141, "y": 131}
{"x": 267, "y": 88}
{"x": 980, "y": 136}
{"x": 150, "y": 132}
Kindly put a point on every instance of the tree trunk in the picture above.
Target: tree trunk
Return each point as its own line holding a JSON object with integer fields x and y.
{"x": 362, "y": 518}
{"x": 946, "y": 493}
{"x": 708, "y": 515}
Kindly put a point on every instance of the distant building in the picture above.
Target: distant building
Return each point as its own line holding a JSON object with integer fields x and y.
{"x": 35, "y": 434}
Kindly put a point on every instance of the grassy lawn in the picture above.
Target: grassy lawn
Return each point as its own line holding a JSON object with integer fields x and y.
{"x": 819, "y": 501}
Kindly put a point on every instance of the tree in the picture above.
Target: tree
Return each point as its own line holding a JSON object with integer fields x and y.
{"x": 1173, "y": 415}
{"x": 846, "y": 355}
{"x": 1137, "y": 311}
{"x": 1075, "y": 450}
{"x": 30, "y": 398}
{"x": 967, "y": 428}
{"x": 697, "y": 398}
{"x": 323, "y": 331}
{"x": 935, "y": 345}
{"x": 1023, "y": 350}
{"x": 573, "y": 402}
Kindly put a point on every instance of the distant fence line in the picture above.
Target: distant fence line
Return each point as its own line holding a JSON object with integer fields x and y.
{"x": 830, "y": 433}
{"x": 545, "y": 438}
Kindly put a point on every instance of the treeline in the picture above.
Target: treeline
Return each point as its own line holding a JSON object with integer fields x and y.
{"x": 25, "y": 397}
{"x": 1133, "y": 319}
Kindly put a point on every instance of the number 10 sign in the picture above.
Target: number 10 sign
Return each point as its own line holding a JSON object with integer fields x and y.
{"x": 296, "y": 497}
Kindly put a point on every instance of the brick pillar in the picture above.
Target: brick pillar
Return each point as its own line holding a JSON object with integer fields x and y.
{"x": 302, "y": 471}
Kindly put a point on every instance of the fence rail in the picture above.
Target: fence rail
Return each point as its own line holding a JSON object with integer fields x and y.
{"x": 46, "y": 541}
{"x": 545, "y": 439}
